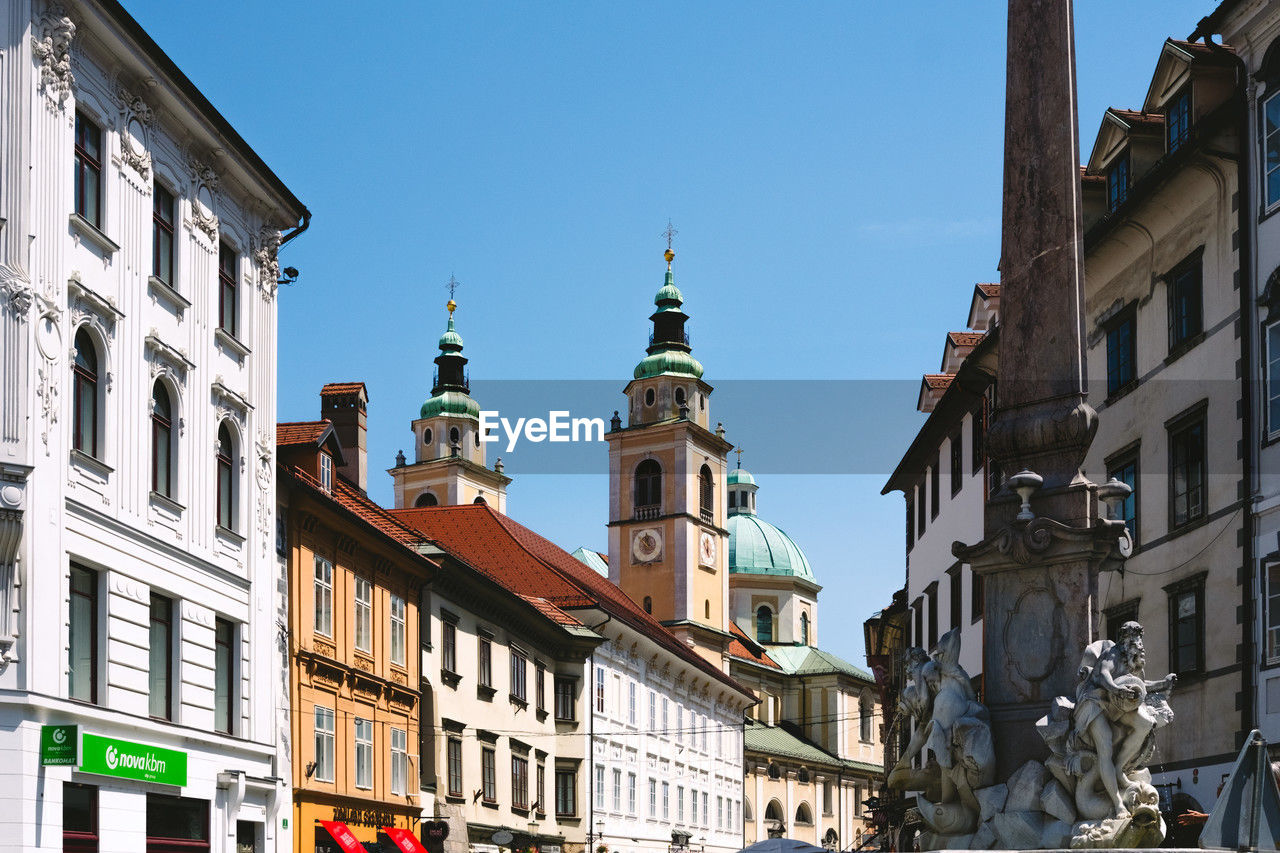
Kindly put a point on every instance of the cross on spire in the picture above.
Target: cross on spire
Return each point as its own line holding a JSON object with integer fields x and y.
{"x": 669, "y": 233}
{"x": 453, "y": 285}
{"x": 739, "y": 452}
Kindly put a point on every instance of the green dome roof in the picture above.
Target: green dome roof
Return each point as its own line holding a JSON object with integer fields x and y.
{"x": 668, "y": 361}
{"x": 741, "y": 477}
{"x": 669, "y": 296}
{"x": 451, "y": 340}
{"x": 451, "y": 403}
{"x": 756, "y": 547}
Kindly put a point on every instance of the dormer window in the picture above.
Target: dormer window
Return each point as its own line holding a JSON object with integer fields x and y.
{"x": 326, "y": 472}
{"x": 1178, "y": 120}
{"x": 1118, "y": 182}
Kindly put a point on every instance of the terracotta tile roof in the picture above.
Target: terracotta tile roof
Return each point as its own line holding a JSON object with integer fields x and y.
{"x": 300, "y": 432}
{"x": 555, "y": 614}
{"x": 742, "y": 647}
{"x": 989, "y": 289}
{"x": 938, "y": 381}
{"x": 1136, "y": 117}
{"x": 964, "y": 339}
{"x": 354, "y": 501}
{"x": 335, "y": 388}
{"x": 530, "y": 565}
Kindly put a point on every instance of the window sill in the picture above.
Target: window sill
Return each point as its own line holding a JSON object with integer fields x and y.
{"x": 455, "y": 798}
{"x": 1182, "y": 348}
{"x": 91, "y": 464}
{"x": 86, "y": 229}
{"x": 523, "y": 811}
{"x": 230, "y": 343}
{"x": 490, "y": 804}
{"x": 567, "y": 721}
{"x": 450, "y": 678}
{"x": 228, "y": 534}
{"x": 1186, "y": 527}
{"x": 1123, "y": 390}
{"x": 519, "y": 703}
{"x": 485, "y": 693}
{"x": 161, "y": 501}
{"x": 164, "y": 291}
{"x": 541, "y": 714}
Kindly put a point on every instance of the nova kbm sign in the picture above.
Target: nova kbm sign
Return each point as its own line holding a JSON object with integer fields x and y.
{"x": 128, "y": 760}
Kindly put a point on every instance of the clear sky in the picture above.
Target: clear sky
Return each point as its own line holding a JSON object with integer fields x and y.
{"x": 833, "y": 170}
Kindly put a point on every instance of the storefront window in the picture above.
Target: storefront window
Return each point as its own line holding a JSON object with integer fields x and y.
{"x": 79, "y": 818}
{"x": 176, "y": 824}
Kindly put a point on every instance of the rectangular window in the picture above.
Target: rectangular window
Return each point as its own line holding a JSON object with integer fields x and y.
{"x": 82, "y": 651}
{"x": 1186, "y": 626}
{"x": 449, "y": 646}
{"x": 631, "y": 793}
{"x": 706, "y": 812}
{"x": 488, "y": 775}
{"x": 79, "y": 818}
{"x": 1273, "y": 377}
{"x": 177, "y": 823}
{"x": 399, "y": 761}
{"x": 617, "y": 790}
{"x": 666, "y": 712}
{"x": 957, "y": 462}
{"x": 227, "y": 289}
{"x": 827, "y": 799}
{"x": 1187, "y": 470}
{"x": 719, "y": 812}
{"x": 564, "y": 698}
{"x": 160, "y": 669}
{"x": 541, "y": 787}
{"x": 397, "y": 631}
{"x": 364, "y": 753}
{"x": 977, "y": 596}
{"x": 931, "y": 594}
{"x": 540, "y": 686}
{"x": 653, "y": 798}
{"x": 484, "y": 657}
{"x": 1118, "y": 182}
{"x": 680, "y": 803}
{"x": 666, "y": 800}
{"x": 88, "y": 183}
{"x": 324, "y": 744}
{"x": 224, "y": 673}
{"x": 935, "y": 486}
{"x": 1178, "y": 120}
{"x": 680, "y": 724}
{"x": 1117, "y": 616}
{"x": 566, "y": 793}
{"x": 519, "y": 669}
{"x": 1125, "y": 469}
{"x": 600, "y": 689}
{"x": 1271, "y": 142}
{"x": 1185, "y": 303}
{"x": 653, "y": 711}
{"x": 454, "y": 760}
{"x": 324, "y": 597}
{"x": 956, "y": 594}
{"x": 162, "y": 219}
{"x": 326, "y": 472}
{"x": 364, "y": 615}
{"x": 599, "y": 793}
{"x": 977, "y": 432}
{"x": 1121, "y": 368}
{"x": 1273, "y": 612}
{"x": 911, "y": 521}
{"x": 519, "y": 782}
{"x": 693, "y": 806}
{"x": 632, "y": 712}
{"x": 917, "y": 620}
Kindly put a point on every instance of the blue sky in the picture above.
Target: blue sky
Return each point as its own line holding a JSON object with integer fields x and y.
{"x": 833, "y": 170}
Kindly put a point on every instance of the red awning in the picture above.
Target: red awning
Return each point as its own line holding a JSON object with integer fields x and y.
{"x": 342, "y": 836}
{"x": 404, "y": 839}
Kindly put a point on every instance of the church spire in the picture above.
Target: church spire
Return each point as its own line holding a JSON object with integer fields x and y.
{"x": 669, "y": 349}
{"x": 450, "y": 363}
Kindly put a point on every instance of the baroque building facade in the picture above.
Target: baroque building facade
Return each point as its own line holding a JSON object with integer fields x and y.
{"x": 141, "y": 700}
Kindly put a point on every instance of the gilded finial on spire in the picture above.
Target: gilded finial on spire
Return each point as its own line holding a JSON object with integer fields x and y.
{"x": 669, "y": 234}
{"x": 739, "y": 452}
{"x": 453, "y": 285}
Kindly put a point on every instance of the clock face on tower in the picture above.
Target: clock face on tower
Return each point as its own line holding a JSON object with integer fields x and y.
{"x": 646, "y": 545}
{"x": 707, "y": 549}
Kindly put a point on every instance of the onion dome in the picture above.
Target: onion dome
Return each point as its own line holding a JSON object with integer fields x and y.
{"x": 450, "y": 393}
{"x": 669, "y": 350}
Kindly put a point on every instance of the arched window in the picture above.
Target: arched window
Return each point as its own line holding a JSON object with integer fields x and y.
{"x": 161, "y": 441}
{"x": 648, "y": 396}
{"x": 804, "y": 816}
{"x": 426, "y": 499}
{"x": 706, "y": 609}
{"x": 831, "y": 841}
{"x": 680, "y": 397}
{"x": 774, "y": 810}
{"x": 84, "y": 427}
{"x": 746, "y": 810}
{"x": 454, "y": 435}
{"x": 648, "y": 604}
{"x": 226, "y": 482}
{"x": 864, "y": 719}
{"x": 648, "y": 484}
{"x": 764, "y": 625}
{"x": 804, "y": 629}
{"x": 706, "y": 493}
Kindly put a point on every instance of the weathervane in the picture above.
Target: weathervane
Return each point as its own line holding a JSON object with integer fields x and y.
{"x": 452, "y": 286}
{"x": 669, "y": 233}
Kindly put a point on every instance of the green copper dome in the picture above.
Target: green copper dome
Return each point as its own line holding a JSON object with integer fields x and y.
{"x": 669, "y": 296}
{"x": 451, "y": 340}
{"x": 451, "y": 403}
{"x": 741, "y": 477}
{"x": 756, "y": 547}
{"x": 668, "y": 361}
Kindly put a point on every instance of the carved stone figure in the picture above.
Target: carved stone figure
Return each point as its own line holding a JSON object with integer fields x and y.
{"x": 53, "y": 48}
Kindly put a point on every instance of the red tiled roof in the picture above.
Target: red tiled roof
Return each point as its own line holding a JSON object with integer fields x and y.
{"x": 739, "y": 648}
{"x": 530, "y": 565}
{"x": 989, "y": 289}
{"x": 350, "y": 498}
{"x": 300, "y": 432}
{"x": 335, "y": 388}
{"x": 1136, "y": 117}
{"x": 555, "y": 614}
{"x": 938, "y": 381}
{"x": 965, "y": 339}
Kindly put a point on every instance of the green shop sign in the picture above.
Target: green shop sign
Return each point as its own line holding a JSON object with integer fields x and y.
{"x": 58, "y": 745}
{"x": 128, "y": 760}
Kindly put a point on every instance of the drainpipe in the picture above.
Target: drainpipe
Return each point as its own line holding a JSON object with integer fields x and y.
{"x": 591, "y": 753}
{"x": 1244, "y": 208}
{"x": 298, "y": 229}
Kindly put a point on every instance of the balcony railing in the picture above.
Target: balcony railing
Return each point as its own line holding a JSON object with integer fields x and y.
{"x": 466, "y": 380}
{"x": 646, "y": 513}
{"x": 707, "y": 515}
{"x": 686, "y": 339}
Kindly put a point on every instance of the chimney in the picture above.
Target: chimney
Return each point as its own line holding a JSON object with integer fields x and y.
{"x": 343, "y": 404}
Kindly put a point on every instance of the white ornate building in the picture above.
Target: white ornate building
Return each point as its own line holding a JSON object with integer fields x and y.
{"x": 139, "y": 597}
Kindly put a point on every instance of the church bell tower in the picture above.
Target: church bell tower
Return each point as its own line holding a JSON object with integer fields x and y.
{"x": 667, "y": 468}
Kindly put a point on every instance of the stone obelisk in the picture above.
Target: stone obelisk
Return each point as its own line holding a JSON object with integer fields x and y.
{"x": 1045, "y": 539}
